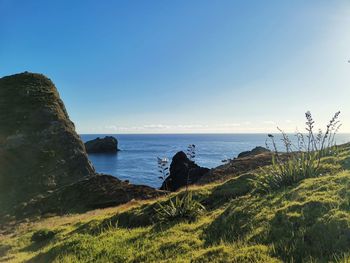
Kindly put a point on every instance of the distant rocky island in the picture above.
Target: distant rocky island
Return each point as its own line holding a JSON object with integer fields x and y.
{"x": 108, "y": 144}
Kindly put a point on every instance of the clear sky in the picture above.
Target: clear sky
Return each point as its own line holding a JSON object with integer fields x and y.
{"x": 185, "y": 66}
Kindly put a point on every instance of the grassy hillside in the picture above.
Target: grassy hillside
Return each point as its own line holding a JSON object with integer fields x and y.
{"x": 306, "y": 222}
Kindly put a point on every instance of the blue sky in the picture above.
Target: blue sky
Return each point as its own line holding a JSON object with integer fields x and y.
{"x": 185, "y": 66}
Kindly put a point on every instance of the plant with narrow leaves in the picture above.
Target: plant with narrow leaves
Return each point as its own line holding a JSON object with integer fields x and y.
{"x": 191, "y": 152}
{"x": 163, "y": 169}
{"x": 301, "y": 160}
{"x": 191, "y": 155}
{"x": 179, "y": 208}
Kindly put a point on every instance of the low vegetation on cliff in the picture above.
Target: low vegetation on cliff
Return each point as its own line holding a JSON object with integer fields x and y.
{"x": 308, "y": 221}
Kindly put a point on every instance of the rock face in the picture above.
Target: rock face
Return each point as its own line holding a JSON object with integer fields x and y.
{"x": 255, "y": 151}
{"x": 39, "y": 148}
{"x": 108, "y": 144}
{"x": 180, "y": 168}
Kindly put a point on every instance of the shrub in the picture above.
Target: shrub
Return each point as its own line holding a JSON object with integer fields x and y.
{"x": 182, "y": 208}
{"x": 43, "y": 235}
{"x": 301, "y": 160}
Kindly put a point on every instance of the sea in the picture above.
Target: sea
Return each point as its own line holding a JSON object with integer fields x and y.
{"x": 137, "y": 159}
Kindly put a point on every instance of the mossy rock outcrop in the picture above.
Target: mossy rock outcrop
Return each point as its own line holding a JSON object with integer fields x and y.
{"x": 39, "y": 148}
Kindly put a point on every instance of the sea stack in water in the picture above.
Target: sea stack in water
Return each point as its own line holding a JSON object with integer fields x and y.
{"x": 108, "y": 144}
{"x": 181, "y": 169}
{"x": 39, "y": 148}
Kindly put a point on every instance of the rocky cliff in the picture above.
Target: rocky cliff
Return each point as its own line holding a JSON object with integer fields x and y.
{"x": 43, "y": 164}
{"x": 39, "y": 148}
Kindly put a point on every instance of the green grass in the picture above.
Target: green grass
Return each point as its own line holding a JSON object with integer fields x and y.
{"x": 308, "y": 221}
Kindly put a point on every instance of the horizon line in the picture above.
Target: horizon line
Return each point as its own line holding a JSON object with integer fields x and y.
{"x": 193, "y": 133}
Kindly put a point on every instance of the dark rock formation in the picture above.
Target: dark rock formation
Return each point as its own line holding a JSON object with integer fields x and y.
{"x": 255, "y": 151}
{"x": 98, "y": 191}
{"x": 108, "y": 144}
{"x": 39, "y": 148}
{"x": 180, "y": 168}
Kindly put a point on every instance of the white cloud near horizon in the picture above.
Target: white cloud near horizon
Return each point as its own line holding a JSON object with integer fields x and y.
{"x": 234, "y": 127}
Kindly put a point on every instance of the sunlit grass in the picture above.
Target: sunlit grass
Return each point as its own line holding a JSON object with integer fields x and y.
{"x": 308, "y": 221}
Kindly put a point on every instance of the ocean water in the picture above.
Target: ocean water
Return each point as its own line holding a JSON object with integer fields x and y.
{"x": 137, "y": 160}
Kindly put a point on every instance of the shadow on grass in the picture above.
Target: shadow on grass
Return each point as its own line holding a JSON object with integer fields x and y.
{"x": 35, "y": 246}
{"x": 346, "y": 163}
{"x": 53, "y": 253}
{"x": 136, "y": 217}
{"x": 82, "y": 248}
{"x": 145, "y": 215}
{"x": 231, "y": 189}
{"x": 238, "y": 219}
{"x": 311, "y": 220}
{"x": 139, "y": 217}
{"x": 4, "y": 249}
{"x": 312, "y": 229}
